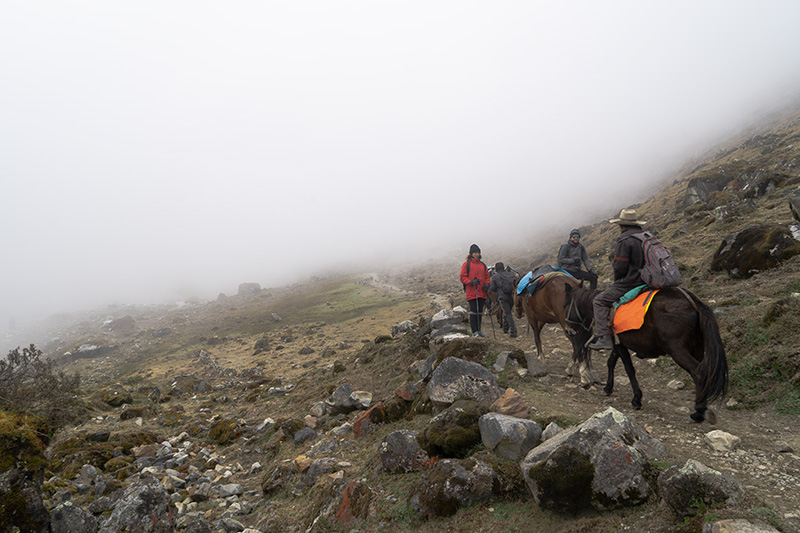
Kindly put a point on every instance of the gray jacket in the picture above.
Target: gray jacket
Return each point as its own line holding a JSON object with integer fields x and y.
{"x": 570, "y": 257}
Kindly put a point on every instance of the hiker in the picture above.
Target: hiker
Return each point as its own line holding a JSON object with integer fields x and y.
{"x": 503, "y": 285}
{"x": 571, "y": 255}
{"x": 475, "y": 277}
{"x": 628, "y": 263}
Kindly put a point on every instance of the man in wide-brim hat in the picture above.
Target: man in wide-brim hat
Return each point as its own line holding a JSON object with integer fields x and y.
{"x": 627, "y": 265}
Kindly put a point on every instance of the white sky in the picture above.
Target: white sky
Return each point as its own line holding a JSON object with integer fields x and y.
{"x": 153, "y": 150}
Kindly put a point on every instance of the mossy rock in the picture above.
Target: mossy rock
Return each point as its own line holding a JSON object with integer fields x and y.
{"x": 115, "y": 395}
{"x": 138, "y": 411}
{"x": 172, "y": 417}
{"x": 131, "y": 439}
{"x": 21, "y": 443}
{"x": 292, "y": 426}
{"x": 225, "y": 431}
{"x": 756, "y": 248}
{"x": 454, "y": 432}
{"x": 117, "y": 462}
{"x": 472, "y": 350}
{"x": 564, "y": 480}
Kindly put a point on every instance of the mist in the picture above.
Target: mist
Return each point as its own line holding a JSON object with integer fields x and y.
{"x": 158, "y": 151}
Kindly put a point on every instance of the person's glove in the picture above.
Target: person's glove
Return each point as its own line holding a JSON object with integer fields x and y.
{"x": 475, "y": 281}
{"x": 485, "y": 287}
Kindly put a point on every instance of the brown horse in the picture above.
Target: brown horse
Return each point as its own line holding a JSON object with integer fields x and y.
{"x": 679, "y": 324}
{"x": 546, "y": 306}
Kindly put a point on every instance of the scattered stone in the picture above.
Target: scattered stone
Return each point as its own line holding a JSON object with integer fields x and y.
{"x": 456, "y": 379}
{"x": 511, "y": 404}
{"x": 676, "y": 384}
{"x": 721, "y": 441}
{"x": 400, "y": 452}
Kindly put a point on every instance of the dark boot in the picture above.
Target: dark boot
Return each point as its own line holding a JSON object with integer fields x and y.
{"x": 603, "y": 342}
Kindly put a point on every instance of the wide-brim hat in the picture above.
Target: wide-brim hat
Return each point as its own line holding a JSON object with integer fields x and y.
{"x": 627, "y": 217}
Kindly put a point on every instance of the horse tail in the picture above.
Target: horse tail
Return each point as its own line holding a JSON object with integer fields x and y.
{"x": 714, "y": 366}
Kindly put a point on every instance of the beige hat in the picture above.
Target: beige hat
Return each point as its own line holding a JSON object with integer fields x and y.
{"x": 627, "y": 217}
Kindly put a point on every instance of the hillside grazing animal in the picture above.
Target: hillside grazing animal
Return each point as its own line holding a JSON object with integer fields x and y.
{"x": 678, "y": 324}
{"x": 546, "y": 306}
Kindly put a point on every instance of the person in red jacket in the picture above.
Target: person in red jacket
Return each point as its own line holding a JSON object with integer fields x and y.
{"x": 475, "y": 277}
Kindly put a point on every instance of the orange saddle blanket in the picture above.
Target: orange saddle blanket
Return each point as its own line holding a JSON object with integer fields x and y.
{"x": 631, "y": 315}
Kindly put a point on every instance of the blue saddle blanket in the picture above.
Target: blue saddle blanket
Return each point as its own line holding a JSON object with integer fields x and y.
{"x": 530, "y": 281}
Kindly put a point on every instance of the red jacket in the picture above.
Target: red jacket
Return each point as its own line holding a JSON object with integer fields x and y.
{"x": 476, "y": 270}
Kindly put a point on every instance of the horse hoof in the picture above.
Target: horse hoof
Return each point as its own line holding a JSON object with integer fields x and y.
{"x": 697, "y": 417}
{"x": 636, "y": 406}
{"x": 607, "y": 391}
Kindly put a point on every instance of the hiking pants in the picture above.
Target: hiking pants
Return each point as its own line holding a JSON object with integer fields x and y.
{"x": 591, "y": 277}
{"x": 508, "y": 318}
{"x": 602, "y": 307}
{"x": 475, "y": 313}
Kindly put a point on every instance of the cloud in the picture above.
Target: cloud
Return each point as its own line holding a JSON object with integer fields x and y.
{"x": 152, "y": 149}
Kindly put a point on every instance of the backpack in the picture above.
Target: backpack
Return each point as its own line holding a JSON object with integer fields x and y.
{"x": 659, "y": 270}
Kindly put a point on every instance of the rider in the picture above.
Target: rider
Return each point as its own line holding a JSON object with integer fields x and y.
{"x": 627, "y": 265}
{"x": 503, "y": 285}
{"x": 475, "y": 277}
{"x": 571, "y": 255}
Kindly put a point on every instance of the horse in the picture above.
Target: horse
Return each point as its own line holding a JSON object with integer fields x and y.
{"x": 546, "y": 306}
{"x": 679, "y": 324}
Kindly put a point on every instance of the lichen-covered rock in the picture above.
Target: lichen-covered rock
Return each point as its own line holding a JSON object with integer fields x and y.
{"x": 451, "y": 484}
{"x": 145, "y": 507}
{"x": 756, "y": 248}
{"x": 599, "y": 463}
{"x": 453, "y": 432}
{"x": 684, "y": 486}
{"x": 400, "y": 452}
{"x": 69, "y": 518}
{"x": 508, "y": 436}
{"x": 456, "y": 379}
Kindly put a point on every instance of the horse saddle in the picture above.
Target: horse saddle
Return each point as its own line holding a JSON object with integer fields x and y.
{"x": 629, "y": 313}
{"x": 536, "y": 279}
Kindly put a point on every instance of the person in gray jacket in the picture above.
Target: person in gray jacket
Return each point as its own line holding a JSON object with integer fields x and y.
{"x": 503, "y": 284}
{"x": 571, "y": 255}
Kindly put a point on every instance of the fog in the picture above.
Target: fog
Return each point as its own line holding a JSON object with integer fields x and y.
{"x": 156, "y": 151}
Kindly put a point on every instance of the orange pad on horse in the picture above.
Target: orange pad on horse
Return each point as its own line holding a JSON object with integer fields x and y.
{"x": 631, "y": 315}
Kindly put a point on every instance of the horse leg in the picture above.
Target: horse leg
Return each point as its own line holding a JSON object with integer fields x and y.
{"x": 537, "y": 338}
{"x": 580, "y": 359}
{"x": 625, "y": 355}
{"x": 692, "y": 366}
{"x": 611, "y": 363}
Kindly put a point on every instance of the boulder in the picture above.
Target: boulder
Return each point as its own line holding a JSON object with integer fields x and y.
{"x": 508, "y": 436}
{"x": 248, "y": 288}
{"x": 69, "y": 518}
{"x": 400, "y": 452}
{"x": 754, "y": 249}
{"x": 794, "y": 204}
{"x": 453, "y": 432}
{"x": 600, "y": 463}
{"x": 456, "y": 379}
{"x": 447, "y": 316}
{"x": 451, "y": 484}
{"x": 684, "y": 486}
{"x": 403, "y": 327}
{"x": 144, "y": 506}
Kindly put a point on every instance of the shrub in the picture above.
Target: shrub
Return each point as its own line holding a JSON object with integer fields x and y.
{"x": 30, "y": 385}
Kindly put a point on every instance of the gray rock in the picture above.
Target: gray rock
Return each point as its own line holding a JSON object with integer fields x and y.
{"x": 403, "y": 327}
{"x": 508, "y": 436}
{"x": 452, "y": 484}
{"x": 445, "y": 317}
{"x": 145, "y": 506}
{"x": 536, "y": 367}
{"x": 721, "y": 441}
{"x": 231, "y": 489}
{"x": 551, "y": 431}
{"x": 69, "y": 518}
{"x": 738, "y": 526}
{"x": 599, "y": 463}
{"x": 304, "y": 435}
{"x": 400, "y": 452}
{"x": 340, "y": 401}
{"x": 682, "y": 487}
{"x": 456, "y": 379}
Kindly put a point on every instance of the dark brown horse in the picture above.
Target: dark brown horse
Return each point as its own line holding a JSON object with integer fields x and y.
{"x": 677, "y": 324}
{"x": 546, "y": 306}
